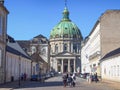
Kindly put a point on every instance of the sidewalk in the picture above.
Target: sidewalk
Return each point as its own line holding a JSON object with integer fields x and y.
{"x": 113, "y": 84}
{"x": 13, "y": 85}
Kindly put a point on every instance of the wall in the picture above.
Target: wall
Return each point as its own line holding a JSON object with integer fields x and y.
{"x": 111, "y": 69}
{"x": 16, "y": 65}
{"x": 110, "y": 31}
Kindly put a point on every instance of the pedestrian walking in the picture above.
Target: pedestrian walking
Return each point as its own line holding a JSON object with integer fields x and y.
{"x": 73, "y": 80}
{"x": 69, "y": 80}
{"x": 96, "y": 77}
{"x": 90, "y": 78}
{"x": 64, "y": 79}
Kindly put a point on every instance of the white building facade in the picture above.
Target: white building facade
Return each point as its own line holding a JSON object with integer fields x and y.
{"x": 90, "y": 53}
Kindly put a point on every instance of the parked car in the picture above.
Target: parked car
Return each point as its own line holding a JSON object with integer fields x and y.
{"x": 35, "y": 77}
{"x": 84, "y": 75}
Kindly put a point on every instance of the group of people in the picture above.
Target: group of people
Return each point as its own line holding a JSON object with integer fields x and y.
{"x": 69, "y": 79}
{"x": 92, "y": 77}
{"x": 23, "y": 76}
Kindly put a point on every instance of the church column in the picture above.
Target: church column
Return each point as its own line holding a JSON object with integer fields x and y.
{"x": 62, "y": 66}
{"x": 74, "y": 65}
{"x": 71, "y": 47}
{"x": 68, "y": 47}
{"x": 68, "y": 65}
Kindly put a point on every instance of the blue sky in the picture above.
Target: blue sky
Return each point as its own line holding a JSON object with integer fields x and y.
{"x": 29, "y": 18}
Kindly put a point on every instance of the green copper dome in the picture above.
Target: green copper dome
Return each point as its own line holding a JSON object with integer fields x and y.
{"x": 65, "y": 28}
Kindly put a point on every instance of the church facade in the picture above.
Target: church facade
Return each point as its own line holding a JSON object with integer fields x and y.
{"x": 65, "y": 46}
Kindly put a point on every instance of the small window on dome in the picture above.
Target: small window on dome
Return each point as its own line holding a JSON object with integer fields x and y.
{"x": 65, "y": 35}
{"x": 58, "y": 28}
{"x": 56, "y": 35}
{"x": 65, "y": 27}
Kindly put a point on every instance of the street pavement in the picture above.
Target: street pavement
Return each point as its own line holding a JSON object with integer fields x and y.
{"x": 55, "y": 83}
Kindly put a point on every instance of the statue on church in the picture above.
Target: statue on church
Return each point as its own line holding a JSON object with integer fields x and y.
{"x": 2, "y": 1}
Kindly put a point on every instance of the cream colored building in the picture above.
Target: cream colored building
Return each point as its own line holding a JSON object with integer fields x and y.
{"x": 104, "y": 37}
{"x": 3, "y": 29}
{"x": 17, "y": 62}
{"x": 37, "y": 48}
{"x": 65, "y": 46}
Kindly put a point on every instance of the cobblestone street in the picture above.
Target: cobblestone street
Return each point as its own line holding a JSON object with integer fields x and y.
{"x": 55, "y": 83}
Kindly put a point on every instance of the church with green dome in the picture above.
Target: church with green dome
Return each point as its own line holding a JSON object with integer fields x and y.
{"x": 65, "y": 46}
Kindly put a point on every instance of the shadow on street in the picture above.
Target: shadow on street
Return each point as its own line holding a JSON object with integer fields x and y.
{"x": 31, "y": 84}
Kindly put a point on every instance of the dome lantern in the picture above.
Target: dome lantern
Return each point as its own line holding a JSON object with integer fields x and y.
{"x": 65, "y": 15}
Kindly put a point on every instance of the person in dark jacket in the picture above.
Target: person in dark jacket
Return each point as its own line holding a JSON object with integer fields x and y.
{"x": 96, "y": 77}
{"x": 64, "y": 80}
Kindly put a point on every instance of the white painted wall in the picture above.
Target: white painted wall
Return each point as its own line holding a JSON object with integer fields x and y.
{"x": 110, "y": 69}
{"x": 17, "y": 64}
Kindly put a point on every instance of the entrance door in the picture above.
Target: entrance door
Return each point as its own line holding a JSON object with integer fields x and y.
{"x": 65, "y": 68}
{"x": 65, "y": 65}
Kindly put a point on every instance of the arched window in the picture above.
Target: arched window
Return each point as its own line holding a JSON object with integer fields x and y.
{"x": 56, "y": 48}
{"x": 65, "y": 47}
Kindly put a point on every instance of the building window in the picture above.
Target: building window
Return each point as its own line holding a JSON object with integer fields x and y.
{"x": 65, "y": 35}
{"x": 114, "y": 70}
{"x": 43, "y": 51}
{"x": 65, "y": 47}
{"x": 118, "y": 70}
{"x": 56, "y": 48}
{"x": 75, "y": 48}
{"x": 33, "y": 49}
{"x": 59, "y": 62}
{"x": 57, "y": 36}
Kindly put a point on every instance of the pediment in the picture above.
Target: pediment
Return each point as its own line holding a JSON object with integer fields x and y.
{"x": 65, "y": 54}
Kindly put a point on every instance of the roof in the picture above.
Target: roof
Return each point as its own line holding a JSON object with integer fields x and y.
{"x": 16, "y": 49}
{"x": 4, "y": 8}
{"x": 111, "y": 54}
{"x": 37, "y": 58}
{"x": 25, "y": 44}
{"x": 39, "y": 36}
{"x": 65, "y": 28}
